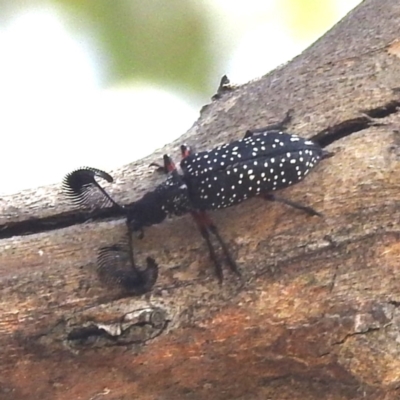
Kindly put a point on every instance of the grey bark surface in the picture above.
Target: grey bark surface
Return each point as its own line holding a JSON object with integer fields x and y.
{"x": 317, "y": 312}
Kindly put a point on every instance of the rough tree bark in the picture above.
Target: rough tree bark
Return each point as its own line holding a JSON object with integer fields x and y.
{"x": 317, "y": 313}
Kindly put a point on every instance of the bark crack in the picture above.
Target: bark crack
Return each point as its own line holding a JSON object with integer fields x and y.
{"x": 346, "y": 128}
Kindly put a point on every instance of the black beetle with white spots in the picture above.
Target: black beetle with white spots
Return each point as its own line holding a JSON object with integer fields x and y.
{"x": 264, "y": 161}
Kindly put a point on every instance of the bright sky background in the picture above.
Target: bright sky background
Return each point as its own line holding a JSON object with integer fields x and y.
{"x": 51, "y": 97}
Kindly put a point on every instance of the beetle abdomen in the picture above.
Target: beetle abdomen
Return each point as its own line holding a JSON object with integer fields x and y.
{"x": 249, "y": 167}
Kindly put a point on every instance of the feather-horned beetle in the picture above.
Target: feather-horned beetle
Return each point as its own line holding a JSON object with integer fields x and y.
{"x": 265, "y": 160}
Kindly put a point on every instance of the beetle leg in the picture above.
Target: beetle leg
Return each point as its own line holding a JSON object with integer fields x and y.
{"x": 168, "y": 165}
{"x": 159, "y": 167}
{"x": 205, "y": 226}
{"x": 231, "y": 261}
{"x": 281, "y": 125}
{"x": 213, "y": 256}
{"x": 298, "y": 206}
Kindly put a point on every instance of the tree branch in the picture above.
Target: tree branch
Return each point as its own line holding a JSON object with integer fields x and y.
{"x": 316, "y": 314}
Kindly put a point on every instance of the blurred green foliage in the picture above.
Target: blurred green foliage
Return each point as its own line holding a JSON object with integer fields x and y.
{"x": 168, "y": 42}
{"x": 157, "y": 40}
